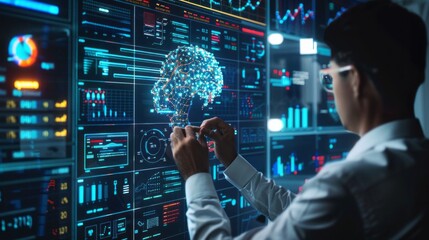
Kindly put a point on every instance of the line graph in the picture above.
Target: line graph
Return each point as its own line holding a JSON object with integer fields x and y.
{"x": 294, "y": 17}
{"x": 298, "y": 13}
{"x": 249, "y": 10}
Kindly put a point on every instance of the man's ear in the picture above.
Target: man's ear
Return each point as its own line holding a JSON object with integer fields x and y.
{"x": 358, "y": 83}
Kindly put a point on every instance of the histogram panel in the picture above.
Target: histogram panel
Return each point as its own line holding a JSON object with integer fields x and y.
{"x": 292, "y": 89}
{"x": 104, "y": 195}
{"x": 290, "y": 156}
{"x": 112, "y": 103}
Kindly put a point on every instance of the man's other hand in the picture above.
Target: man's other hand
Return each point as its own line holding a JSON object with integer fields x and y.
{"x": 223, "y": 135}
{"x": 191, "y": 155}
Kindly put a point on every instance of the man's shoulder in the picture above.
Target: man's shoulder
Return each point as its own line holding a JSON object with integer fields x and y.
{"x": 345, "y": 172}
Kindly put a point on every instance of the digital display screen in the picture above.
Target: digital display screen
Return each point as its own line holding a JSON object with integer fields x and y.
{"x": 88, "y": 101}
{"x": 292, "y": 85}
{"x": 34, "y": 92}
{"x": 128, "y": 186}
{"x": 46, "y": 8}
{"x": 295, "y": 158}
{"x": 36, "y": 203}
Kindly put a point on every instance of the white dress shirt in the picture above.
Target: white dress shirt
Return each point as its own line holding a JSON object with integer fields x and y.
{"x": 373, "y": 194}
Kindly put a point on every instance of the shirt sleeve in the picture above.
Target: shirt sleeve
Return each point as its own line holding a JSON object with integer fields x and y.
{"x": 263, "y": 194}
{"x": 206, "y": 218}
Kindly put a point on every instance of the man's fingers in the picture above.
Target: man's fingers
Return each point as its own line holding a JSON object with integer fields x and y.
{"x": 190, "y": 132}
{"x": 178, "y": 133}
{"x": 173, "y": 139}
{"x": 205, "y": 131}
{"x": 194, "y": 128}
{"x": 202, "y": 140}
{"x": 213, "y": 123}
{"x": 215, "y": 135}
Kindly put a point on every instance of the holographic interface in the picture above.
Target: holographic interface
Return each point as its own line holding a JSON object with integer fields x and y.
{"x": 187, "y": 71}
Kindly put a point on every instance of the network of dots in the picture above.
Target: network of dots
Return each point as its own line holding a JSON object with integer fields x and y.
{"x": 187, "y": 71}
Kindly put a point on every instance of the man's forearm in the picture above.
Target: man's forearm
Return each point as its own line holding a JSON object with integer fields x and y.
{"x": 264, "y": 195}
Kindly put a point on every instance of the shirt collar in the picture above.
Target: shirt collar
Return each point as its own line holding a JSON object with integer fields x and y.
{"x": 406, "y": 128}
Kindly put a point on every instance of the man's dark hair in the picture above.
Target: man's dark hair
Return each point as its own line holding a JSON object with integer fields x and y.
{"x": 385, "y": 42}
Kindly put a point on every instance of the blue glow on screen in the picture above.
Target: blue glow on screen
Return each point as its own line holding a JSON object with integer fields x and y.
{"x": 33, "y": 5}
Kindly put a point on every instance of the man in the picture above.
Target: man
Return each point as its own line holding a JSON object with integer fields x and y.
{"x": 380, "y": 190}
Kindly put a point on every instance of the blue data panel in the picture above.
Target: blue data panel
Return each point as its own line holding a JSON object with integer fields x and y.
{"x": 229, "y": 200}
{"x": 106, "y": 20}
{"x": 105, "y": 151}
{"x": 45, "y": 8}
{"x": 252, "y": 105}
{"x": 292, "y": 89}
{"x": 162, "y": 221}
{"x": 248, "y": 10}
{"x": 252, "y": 137}
{"x": 334, "y": 147}
{"x": 106, "y": 103}
{"x": 252, "y": 77}
{"x": 295, "y": 17}
{"x": 293, "y": 162}
{"x": 114, "y": 226}
{"x": 248, "y": 221}
{"x": 34, "y": 87}
{"x": 157, "y": 186}
{"x": 104, "y": 195}
{"x": 98, "y": 117}
{"x": 36, "y": 203}
{"x": 153, "y": 146}
{"x": 291, "y": 157}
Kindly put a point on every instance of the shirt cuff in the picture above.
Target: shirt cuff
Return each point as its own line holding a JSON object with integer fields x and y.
{"x": 239, "y": 172}
{"x": 199, "y": 185}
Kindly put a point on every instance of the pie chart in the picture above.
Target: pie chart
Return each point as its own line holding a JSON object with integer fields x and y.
{"x": 23, "y": 50}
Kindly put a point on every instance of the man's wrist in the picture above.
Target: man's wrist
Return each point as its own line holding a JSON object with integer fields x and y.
{"x": 188, "y": 175}
{"x": 229, "y": 161}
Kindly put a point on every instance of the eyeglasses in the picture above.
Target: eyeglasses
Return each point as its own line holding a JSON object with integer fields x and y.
{"x": 326, "y": 77}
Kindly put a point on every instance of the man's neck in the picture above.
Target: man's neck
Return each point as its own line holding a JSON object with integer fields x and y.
{"x": 371, "y": 119}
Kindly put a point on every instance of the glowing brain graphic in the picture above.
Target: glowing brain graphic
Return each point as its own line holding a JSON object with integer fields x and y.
{"x": 186, "y": 72}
